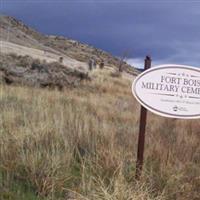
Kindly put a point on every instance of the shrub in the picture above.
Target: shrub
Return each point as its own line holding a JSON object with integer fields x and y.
{"x": 24, "y": 61}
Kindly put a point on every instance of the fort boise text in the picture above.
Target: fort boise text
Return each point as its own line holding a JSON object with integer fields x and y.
{"x": 184, "y": 85}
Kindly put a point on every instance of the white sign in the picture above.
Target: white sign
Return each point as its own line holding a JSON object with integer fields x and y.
{"x": 170, "y": 91}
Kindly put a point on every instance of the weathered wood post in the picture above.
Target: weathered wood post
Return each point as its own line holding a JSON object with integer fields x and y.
{"x": 90, "y": 64}
{"x": 101, "y": 66}
{"x": 141, "y": 137}
{"x": 61, "y": 59}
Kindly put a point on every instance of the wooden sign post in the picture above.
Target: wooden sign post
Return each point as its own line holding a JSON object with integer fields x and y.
{"x": 141, "y": 137}
{"x": 168, "y": 90}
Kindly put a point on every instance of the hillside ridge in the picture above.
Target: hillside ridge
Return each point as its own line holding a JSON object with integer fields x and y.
{"x": 15, "y": 31}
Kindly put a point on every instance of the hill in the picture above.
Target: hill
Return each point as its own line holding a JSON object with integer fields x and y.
{"x": 16, "y": 32}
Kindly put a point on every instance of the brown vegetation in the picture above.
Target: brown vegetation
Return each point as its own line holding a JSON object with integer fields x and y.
{"x": 81, "y": 144}
{"x": 24, "y": 70}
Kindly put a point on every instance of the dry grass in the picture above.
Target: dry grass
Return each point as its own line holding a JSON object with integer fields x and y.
{"x": 82, "y": 143}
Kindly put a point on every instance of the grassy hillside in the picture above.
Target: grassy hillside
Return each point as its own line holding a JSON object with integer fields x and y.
{"x": 81, "y": 143}
{"x": 15, "y": 31}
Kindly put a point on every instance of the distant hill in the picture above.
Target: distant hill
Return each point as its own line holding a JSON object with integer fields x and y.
{"x": 15, "y": 31}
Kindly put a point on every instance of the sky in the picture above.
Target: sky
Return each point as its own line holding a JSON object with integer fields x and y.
{"x": 167, "y": 30}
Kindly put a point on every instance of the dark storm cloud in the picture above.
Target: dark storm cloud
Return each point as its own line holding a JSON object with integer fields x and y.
{"x": 168, "y": 30}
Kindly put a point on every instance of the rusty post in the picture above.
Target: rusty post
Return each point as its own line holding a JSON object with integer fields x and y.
{"x": 141, "y": 137}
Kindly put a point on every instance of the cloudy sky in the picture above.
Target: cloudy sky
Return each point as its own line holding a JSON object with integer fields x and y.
{"x": 168, "y": 30}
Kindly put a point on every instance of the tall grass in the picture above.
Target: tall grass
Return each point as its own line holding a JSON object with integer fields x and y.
{"x": 81, "y": 144}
